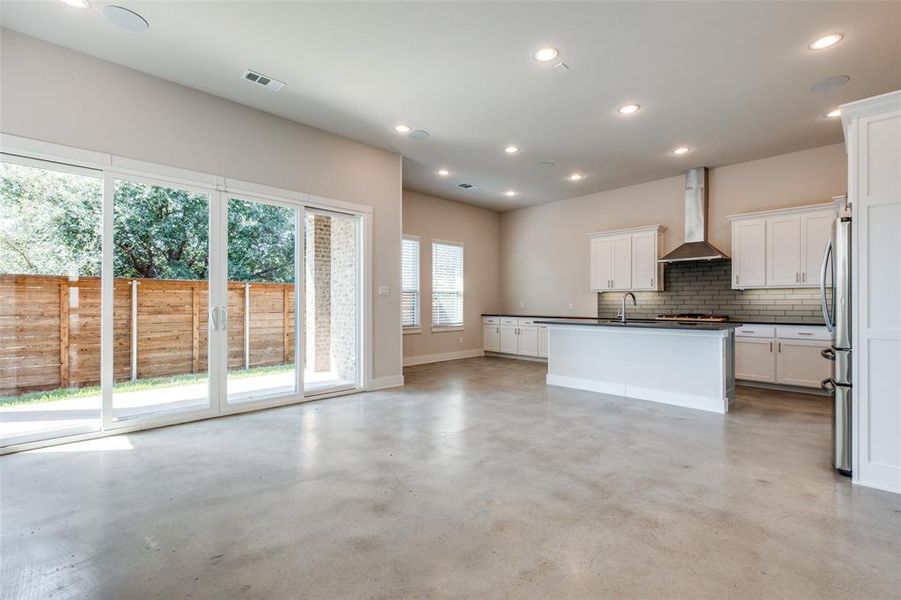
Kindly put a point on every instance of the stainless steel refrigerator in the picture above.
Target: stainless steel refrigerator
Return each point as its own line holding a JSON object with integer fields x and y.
{"x": 836, "y": 270}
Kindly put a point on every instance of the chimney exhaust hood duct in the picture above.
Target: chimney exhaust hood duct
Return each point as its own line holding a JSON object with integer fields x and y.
{"x": 695, "y": 246}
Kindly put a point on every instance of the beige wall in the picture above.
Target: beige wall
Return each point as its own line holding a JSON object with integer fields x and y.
{"x": 57, "y": 95}
{"x": 478, "y": 229}
{"x": 544, "y": 250}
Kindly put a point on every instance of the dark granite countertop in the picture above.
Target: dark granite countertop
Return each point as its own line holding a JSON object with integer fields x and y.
{"x": 735, "y": 322}
{"x": 536, "y": 316}
{"x": 646, "y": 324}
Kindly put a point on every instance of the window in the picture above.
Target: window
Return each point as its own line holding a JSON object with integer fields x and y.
{"x": 410, "y": 283}
{"x": 447, "y": 284}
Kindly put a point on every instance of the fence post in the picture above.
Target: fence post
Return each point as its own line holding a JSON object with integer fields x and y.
{"x": 134, "y": 329}
{"x": 64, "y": 334}
{"x": 285, "y": 342}
{"x": 195, "y": 335}
{"x": 246, "y": 325}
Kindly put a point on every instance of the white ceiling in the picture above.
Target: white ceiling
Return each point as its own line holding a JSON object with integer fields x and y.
{"x": 730, "y": 79}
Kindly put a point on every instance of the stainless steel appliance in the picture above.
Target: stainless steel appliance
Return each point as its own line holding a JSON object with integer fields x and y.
{"x": 836, "y": 270}
{"x": 693, "y": 317}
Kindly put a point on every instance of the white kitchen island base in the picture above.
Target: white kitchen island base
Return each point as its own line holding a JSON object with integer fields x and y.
{"x": 690, "y": 367}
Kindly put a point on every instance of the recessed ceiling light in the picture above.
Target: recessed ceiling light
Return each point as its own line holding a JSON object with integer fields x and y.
{"x": 825, "y": 41}
{"x": 834, "y": 113}
{"x": 511, "y": 149}
{"x": 125, "y": 18}
{"x": 575, "y": 177}
{"x": 77, "y": 3}
{"x": 402, "y": 128}
{"x": 419, "y": 135}
{"x": 443, "y": 172}
{"x": 680, "y": 150}
{"x": 546, "y": 164}
{"x": 628, "y": 109}
{"x": 509, "y": 193}
{"x": 546, "y": 54}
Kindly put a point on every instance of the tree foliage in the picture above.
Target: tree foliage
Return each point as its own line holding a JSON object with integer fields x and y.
{"x": 50, "y": 223}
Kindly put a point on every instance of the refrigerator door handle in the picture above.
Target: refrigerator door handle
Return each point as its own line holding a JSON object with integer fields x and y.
{"x": 830, "y": 326}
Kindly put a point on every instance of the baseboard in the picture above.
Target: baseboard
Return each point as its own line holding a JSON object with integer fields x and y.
{"x": 540, "y": 359}
{"x": 381, "y": 383}
{"x": 441, "y": 357}
{"x": 782, "y": 388}
{"x": 705, "y": 403}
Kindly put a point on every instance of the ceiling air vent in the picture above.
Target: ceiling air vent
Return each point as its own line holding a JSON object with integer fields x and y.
{"x": 268, "y": 82}
{"x": 467, "y": 186}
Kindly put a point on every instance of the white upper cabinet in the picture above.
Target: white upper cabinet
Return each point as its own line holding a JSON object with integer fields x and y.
{"x": 749, "y": 253}
{"x": 600, "y": 261}
{"x": 780, "y": 248}
{"x": 816, "y": 230}
{"x": 644, "y": 261}
{"x": 783, "y": 250}
{"x": 626, "y": 259}
{"x": 621, "y": 262}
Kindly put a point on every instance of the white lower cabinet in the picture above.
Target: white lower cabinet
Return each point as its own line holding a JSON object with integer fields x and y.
{"x": 787, "y": 355}
{"x": 754, "y": 359}
{"x": 508, "y": 339}
{"x": 514, "y": 335}
{"x": 799, "y": 362}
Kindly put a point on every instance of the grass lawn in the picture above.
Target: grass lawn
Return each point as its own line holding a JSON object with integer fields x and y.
{"x": 134, "y": 386}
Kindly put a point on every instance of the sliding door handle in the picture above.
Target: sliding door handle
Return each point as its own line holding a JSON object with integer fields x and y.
{"x": 214, "y": 317}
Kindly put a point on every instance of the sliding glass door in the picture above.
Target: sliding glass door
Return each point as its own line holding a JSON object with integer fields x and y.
{"x": 262, "y": 300}
{"x": 128, "y": 301}
{"x": 161, "y": 291}
{"x": 50, "y": 256}
{"x": 331, "y": 302}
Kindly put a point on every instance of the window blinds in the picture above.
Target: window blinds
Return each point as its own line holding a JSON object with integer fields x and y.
{"x": 447, "y": 284}
{"x": 410, "y": 282}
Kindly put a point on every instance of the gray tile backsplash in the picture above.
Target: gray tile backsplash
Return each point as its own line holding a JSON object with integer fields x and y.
{"x": 700, "y": 287}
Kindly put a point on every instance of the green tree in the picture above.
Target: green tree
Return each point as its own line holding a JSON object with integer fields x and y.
{"x": 50, "y": 223}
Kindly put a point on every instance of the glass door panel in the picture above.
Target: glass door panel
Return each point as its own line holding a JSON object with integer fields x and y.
{"x": 331, "y": 302}
{"x": 161, "y": 260}
{"x": 50, "y": 257}
{"x": 262, "y": 270}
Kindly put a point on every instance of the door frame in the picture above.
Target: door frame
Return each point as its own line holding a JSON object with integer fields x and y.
{"x": 216, "y": 187}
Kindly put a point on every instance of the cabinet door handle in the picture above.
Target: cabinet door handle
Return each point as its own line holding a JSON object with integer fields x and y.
{"x": 736, "y": 280}
{"x": 652, "y": 282}
{"x": 804, "y": 277}
{"x": 779, "y": 346}
{"x": 771, "y": 346}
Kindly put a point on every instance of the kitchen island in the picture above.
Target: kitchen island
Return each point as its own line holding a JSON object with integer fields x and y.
{"x": 672, "y": 362}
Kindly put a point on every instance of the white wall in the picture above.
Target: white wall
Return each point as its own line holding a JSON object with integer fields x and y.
{"x": 56, "y": 95}
{"x": 431, "y": 218}
{"x": 544, "y": 251}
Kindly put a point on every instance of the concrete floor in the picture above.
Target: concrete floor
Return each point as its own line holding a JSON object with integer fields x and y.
{"x": 473, "y": 481}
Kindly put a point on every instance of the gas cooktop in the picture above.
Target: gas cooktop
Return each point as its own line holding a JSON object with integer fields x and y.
{"x": 693, "y": 317}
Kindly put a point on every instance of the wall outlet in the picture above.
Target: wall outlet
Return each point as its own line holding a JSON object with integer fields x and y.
{"x": 522, "y": 304}
{"x": 460, "y": 340}
{"x": 571, "y": 306}
{"x": 384, "y": 290}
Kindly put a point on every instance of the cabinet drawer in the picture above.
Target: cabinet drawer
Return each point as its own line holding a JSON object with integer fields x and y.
{"x": 509, "y": 321}
{"x": 491, "y": 320}
{"x": 803, "y": 332}
{"x": 527, "y": 321}
{"x": 761, "y": 331}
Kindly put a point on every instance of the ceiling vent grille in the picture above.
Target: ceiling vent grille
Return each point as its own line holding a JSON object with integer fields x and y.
{"x": 264, "y": 80}
{"x": 466, "y": 186}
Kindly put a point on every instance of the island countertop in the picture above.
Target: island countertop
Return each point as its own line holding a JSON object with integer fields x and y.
{"x": 645, "y": 324}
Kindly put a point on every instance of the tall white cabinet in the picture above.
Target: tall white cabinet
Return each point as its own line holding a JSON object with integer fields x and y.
{"x": 873, "y": 140}
{"x": 626, "y": 259}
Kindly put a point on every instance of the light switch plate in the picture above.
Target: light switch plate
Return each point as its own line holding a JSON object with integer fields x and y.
{"x": 384, "y": 290}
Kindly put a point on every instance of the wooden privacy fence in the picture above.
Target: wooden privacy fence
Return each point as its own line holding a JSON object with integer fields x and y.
{"x": 50, "y": 329}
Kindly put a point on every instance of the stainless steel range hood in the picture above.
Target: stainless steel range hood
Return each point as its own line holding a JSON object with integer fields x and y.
{"x": 695, "y": 246}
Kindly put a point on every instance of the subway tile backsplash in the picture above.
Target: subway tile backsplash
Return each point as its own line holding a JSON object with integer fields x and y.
{"x": 703, "y": 287}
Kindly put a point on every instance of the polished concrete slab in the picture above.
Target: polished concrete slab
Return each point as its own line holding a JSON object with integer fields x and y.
{"x": 474, "y": 481}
